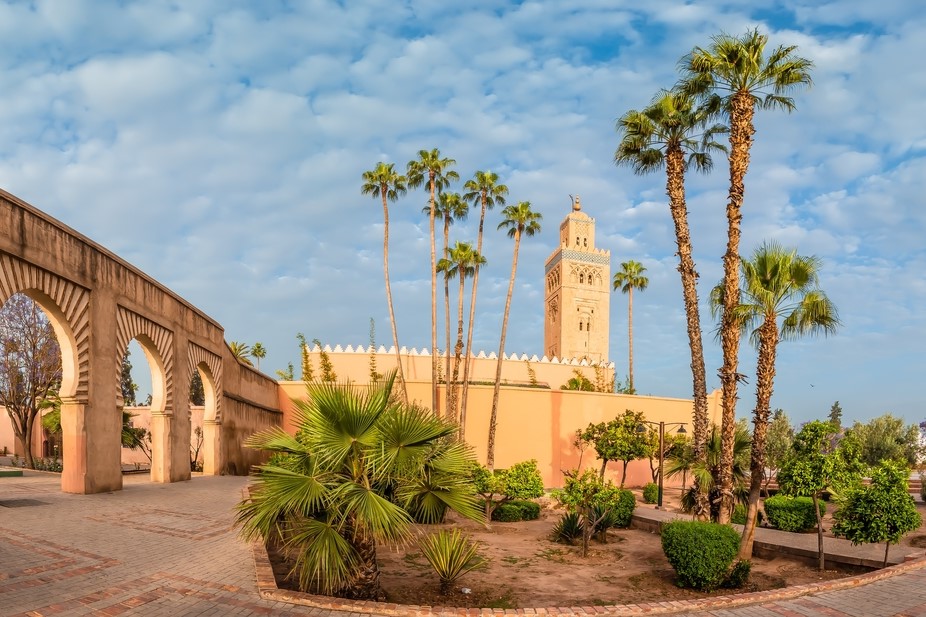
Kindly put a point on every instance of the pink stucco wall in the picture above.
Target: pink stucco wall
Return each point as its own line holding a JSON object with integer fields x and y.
{"x": 540, "y": 424}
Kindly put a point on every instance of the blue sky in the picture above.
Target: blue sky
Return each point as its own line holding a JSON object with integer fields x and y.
{"x": 218, "y": 146}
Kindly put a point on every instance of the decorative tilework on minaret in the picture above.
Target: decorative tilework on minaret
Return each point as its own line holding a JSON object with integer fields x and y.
{"x": 577, "y": 292}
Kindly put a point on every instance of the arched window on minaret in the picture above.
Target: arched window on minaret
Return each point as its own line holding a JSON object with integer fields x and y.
{"x": 580, "y": 326}
{"x": 581, "y": 277}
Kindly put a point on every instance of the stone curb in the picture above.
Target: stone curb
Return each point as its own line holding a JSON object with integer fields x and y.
{"x": 268, "y": 590}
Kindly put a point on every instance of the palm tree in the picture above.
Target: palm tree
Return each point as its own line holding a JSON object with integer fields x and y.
{"x": 735, "y": 73}
{"x": 258, "y": 351}
{"x": 461, "y": 262}
{"x": 706, "y": 470}
{"x": 384, "y": 182}
{"x": 777, "y": 285}
{"x": 673, "y": 132}
{"x": 483, "y": 189}
{"x": 519, "y": 220}
{"x": 431, "y": 170}
{"x": 240, "y": 351}
{"x": 359, "y": 471}
{"x": 628, "y": 278}
{"x": 450, "y": 207}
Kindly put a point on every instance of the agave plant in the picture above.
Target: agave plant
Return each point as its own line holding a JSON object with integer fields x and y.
{"x": 568, "y": 529}
{"x": 452, "y": 555}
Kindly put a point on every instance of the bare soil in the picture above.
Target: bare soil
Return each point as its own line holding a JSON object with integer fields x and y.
{"x": 527, "y": 569}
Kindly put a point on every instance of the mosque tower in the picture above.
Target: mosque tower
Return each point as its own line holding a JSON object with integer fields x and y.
{"x": 578, "y": 292}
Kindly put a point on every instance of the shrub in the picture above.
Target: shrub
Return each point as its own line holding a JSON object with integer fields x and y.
{"x": 523, "y": 481}
{"x": 513, "y": 511}
{"x": 700, "y": 552}
{"x": 739, "y": 515}
{"x": 651, "y": 493}
{"x": 792, "y": 513}
{"x": 923, "y": 486}
{"x": 452, "y": 555}
{"x": 738, "y": 575}
{"x": 568, "y": 529}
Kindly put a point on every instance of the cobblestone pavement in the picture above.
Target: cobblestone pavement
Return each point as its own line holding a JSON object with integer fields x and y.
{"x": 169, "y": 549}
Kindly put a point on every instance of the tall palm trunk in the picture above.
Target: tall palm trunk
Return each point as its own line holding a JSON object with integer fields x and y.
{"x": 450, "y": 411}
{"x": 472, "y": 320}
{"x": 458, "y": 349}
{"x": 741, "y": 131}
{"x": 395, "y": 335}
{"x": 493, "y": 419}
{"x": 765, "y": 380}
{"x": 675, "y": 188}
{"x": 434, "y": 401}
{"x": 630, "y": 337}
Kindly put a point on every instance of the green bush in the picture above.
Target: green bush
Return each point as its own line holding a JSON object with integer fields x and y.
{"x": 651, "y": 493}
{"x": 622, "y": 509}
{"x": 568, "y": 529}
{"x": 738, "y": 575}
{"x": 518, "y": 510}
{"x": 523, "y": 481}
{"x": 452, "y": 555}
{"x": 700, "y": 552}
{"x": 739, "y": 515}
{"x": 792, "y": 513}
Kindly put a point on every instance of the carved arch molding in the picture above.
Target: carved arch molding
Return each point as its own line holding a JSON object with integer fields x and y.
{"x": 199, "y": 356}
{"x": 131, "y": 325}
{"x": 69, "y": 305}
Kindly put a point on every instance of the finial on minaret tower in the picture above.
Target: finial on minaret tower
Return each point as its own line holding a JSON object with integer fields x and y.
{"x": 576, "y": 206}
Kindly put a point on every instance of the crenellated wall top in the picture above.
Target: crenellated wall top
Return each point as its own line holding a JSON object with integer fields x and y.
{"x": 360, "y": 349}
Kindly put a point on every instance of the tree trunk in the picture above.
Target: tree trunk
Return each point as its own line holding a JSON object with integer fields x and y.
{"x": 741, "y": 131}
{"x": 434, "y": 401}
{"x": 630, "y": 337}
{"x": 887, "y": 547}
{"x": 604, "y": 464}
{"x": 457, "y": 350}
{"x": 675, "y": 188}
{"x": 395, "y": 335}
{"x": 364, "y": 585}
{"x": 624, "y": 473}
{"x": 472, "y": 321}
{"x": 493, "y": 418}
{"x": 765, "y": 382}
{"x": 450, "y": 412}
{"x": 820, "y": 555}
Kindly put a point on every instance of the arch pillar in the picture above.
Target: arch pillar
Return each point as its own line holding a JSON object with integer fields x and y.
{"x": 212, "y": 447}
{"x": 160, "y": 428}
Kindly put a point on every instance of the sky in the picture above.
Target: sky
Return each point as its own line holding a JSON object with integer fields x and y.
{"x": 219, "y": 146}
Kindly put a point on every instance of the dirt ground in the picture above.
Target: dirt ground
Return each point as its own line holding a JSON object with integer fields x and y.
{"x": 527, "y": 569}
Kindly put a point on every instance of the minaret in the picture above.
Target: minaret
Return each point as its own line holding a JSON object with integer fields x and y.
{"x": 578, "y": 292}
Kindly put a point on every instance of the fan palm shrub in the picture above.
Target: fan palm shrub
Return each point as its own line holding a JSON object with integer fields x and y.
{"x": 360, "y": 469}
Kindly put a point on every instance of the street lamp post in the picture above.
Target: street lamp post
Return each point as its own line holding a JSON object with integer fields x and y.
{"x": 662, "y": 441}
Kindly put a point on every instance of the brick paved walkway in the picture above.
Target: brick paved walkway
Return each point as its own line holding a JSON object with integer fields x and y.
{"x": 154, "y": 549}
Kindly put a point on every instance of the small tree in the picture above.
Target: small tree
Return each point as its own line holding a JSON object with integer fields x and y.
{"x": 30, "y": 366}
{"x": 887, "y": 438}
{"x": 778, "y": 446}
{"x": 578, "y": 382}
{"x": 590, "y": 497}
{"x": 619, "y": 440}
{"x": 327, "y": 367}
{"x": 520, "y": 481}
{"x": 881, "y": 512}
{"x": 374, "y": 374}
{"x": 307, "y": 370}
{"x": 287, "y": 374}
{"x": 817, "y": 464}
{"x": 836, "y": 415}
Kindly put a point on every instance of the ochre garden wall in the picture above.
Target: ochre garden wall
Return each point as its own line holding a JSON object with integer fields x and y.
{"x": 532, "y": 423}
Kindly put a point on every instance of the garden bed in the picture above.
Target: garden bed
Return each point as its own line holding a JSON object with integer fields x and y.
{"x": 527, "y": 569}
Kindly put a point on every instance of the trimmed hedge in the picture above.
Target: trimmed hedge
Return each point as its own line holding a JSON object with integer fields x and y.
{"x": 622, "y": 511}
{"x": 700, "y": 552}
{"x": 517, "y": 510}
{"x": 792, "y": 513}
{"x": 651, "y": 493}
{"x": 739, "y": 515}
